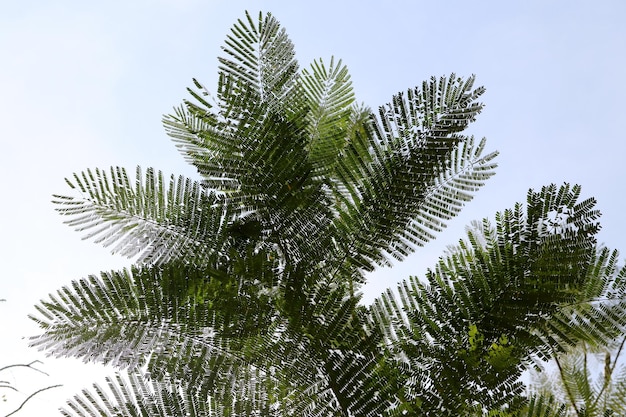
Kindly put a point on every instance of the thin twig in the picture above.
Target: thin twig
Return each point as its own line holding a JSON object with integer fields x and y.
{"x": 29, "y": 397}
{"x": 28, "y": 365}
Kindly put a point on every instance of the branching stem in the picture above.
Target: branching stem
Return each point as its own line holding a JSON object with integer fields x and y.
{"x": 29, "y": 397}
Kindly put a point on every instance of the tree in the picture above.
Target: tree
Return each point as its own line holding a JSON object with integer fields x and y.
{"x": 244, "y": 299}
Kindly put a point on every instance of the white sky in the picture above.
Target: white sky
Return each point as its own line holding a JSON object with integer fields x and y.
{"x": 84, "y": 84}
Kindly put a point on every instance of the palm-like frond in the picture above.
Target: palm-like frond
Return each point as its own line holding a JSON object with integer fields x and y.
{"x": 597, "y": 314}
{"x": 150, "y": 219}
{"x": 330, "y": 98}
{"x": 418, "y": 172}
{"x": 133, "y": 395}
{"x": 542, "y": 407}
{"x": 260, "y": 55}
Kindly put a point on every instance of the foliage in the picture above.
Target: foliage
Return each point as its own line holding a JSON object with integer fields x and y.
{"x": 574, "y": 383}
{"x": 244, "y": 299}
{"x": 509, "y": 294}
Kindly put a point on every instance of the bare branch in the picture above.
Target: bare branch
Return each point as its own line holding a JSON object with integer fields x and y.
{"x": 29, "y": 397}
{"x": 6, "y": 384}
{"x": 28, "y": 365}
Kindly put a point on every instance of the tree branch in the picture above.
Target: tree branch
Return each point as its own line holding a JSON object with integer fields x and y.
{"x": 29, "y": 397}
{"x": 8, "y": 385}
{"x": 28, "y": 365}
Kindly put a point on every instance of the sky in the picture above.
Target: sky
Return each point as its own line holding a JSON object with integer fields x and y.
{"x": 85, "y": 84}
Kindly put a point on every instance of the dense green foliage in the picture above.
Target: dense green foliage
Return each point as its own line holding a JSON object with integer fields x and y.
{"x": 244, "y": 299}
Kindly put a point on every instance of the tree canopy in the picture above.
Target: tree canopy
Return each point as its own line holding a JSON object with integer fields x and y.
{"x": 244, "y": 299}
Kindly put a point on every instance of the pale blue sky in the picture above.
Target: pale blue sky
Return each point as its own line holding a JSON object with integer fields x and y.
{"x": 84, "y": 84}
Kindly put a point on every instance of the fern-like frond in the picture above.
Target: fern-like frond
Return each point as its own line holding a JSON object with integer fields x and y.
{"x": 589, "y": 379}
{"x": 614, "y": 398}
{"x": 598, "y": 314}
{"x": 207, "y": 142}
{"x": 405, "y": 203}
{"x": 120, "y": 318}
{"x": 542, "y": 406}
{"x": 417, "y": 173}
{"x": 150, "y": 220}
{"x": 345, "y": 347}
{"x": 260, "y": 54}
{"x": 233, "y": 141}
{"x": 433, "y": 113}
{"x": 134, "y": 395}
{"x": 330, "y": 101}
{"x": 265, "y": 171}
{"x": 387, "y": 184}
